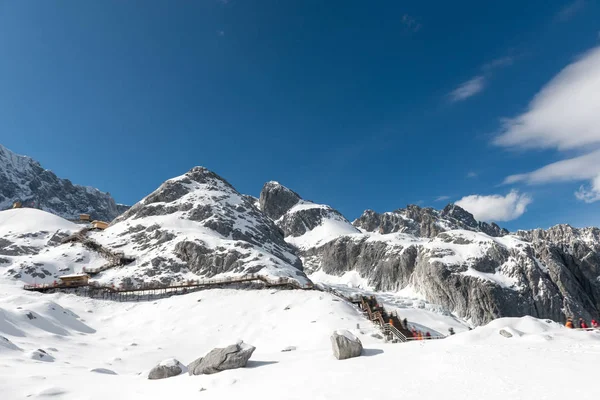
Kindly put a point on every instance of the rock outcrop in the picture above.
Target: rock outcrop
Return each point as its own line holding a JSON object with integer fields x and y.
{"x": 221, "y": 359}
{"x": 297, "y": 217}
{"x": 166, "y": 369}
{"x": 474, "y": 269}
{"x": 424, "y": 222}
{"x": 198, "y": 223}
{"x": 23, "y": 179}
{"x": 345, "y": 345}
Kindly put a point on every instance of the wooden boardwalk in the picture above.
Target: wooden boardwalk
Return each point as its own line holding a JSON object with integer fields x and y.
{"x": 155, "y": 290}
{"x": 114, "y": 258}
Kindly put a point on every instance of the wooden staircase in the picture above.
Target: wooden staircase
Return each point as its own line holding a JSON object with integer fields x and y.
{"x": 115, "y": 259}
{"x": 390, "y": 324}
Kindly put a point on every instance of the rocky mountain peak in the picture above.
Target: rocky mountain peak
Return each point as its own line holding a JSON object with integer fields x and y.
{"x": 275, "y": 199}
{"x": 424, "y": 222}
{"x": 23, "y": 179}
{"x": 198, "y": 222}
{"x": 459, "y": 214}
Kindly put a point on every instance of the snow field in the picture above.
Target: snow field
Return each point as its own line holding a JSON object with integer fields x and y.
{"x": 100, "y": 349}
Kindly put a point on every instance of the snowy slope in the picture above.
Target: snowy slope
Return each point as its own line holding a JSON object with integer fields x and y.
{"x": 305, "y": 224}
{"x": 331, "y": 226}
{"x": 23, "y": 179}
{"x": 79, "y": 336}
{"x": 197, "y": 225}
{"x": 31, "y": 250}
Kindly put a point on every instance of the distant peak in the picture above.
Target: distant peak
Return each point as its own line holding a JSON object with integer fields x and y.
{"x": 276, "y": 199}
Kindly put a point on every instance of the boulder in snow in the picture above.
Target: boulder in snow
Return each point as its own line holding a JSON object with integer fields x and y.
{"x": 505, "y": 333}
{"x": 221, "y": 359}
{"x": 345, "y": 345}
{"x": 41, "y": 355}
{"x": 166, "y": 369}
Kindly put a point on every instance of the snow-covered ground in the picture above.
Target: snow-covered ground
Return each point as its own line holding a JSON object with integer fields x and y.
{"x": 67, "y": 347}
{"x": 100, "y": 349}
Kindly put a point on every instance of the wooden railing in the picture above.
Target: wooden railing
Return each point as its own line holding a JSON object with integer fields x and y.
{"x": 268, "y": 281}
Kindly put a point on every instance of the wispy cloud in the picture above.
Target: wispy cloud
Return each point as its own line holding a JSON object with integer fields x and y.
{"x": 221, "y": 33}
{"x": 478, "y": 83}
{"x": 496, "y": 207}
{"x": 410, "y": 23}
{"x": 591, "y": 194}
{"x": 442, "y": 198}
{"x": 468, "y": 89}
{"x": 498, "y": 63}
{"x": 564, "y": 116}
{"x": 568, "y": 11}
{"x": 472, "y": 174}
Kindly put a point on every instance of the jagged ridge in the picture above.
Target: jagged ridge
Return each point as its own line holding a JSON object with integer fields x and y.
{"x": 23, "y": 179}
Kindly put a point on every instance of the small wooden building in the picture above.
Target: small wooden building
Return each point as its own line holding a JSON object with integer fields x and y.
{"x": 17, "y": 204}
{"x": 99, "y": 225}
{"x": 84, "y": 217}
{"x": 74, "y": 280}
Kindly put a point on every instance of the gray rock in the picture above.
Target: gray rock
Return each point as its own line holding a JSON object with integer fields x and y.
{"x": 211, "y": 202}
{"x": 275, "y": 200}
{"x": 425, "y": 222}
{"x": 166, "y": 369}
{"x": 23, "y": 179}
{"x": 505, "y": 333}
{"x": 221, "y": 359}
{"x": 345, "y": 345}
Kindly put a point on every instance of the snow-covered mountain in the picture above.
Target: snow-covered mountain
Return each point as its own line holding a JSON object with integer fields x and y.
{"x": 198, "y": 225}
{"x": 23, "y": 179}
{"x": 304, "y": 223}
{"x": 195, "y": 225}
{"x": 476, "y": 270}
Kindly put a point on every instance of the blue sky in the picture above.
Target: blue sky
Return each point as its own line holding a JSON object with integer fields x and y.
{"x": 351, "y": 103}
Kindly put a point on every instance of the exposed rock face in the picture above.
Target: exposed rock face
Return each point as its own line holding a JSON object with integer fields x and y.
{"x": 23, "y": 179}
{"x": 345, "y": 345}
{"x": 198, "y": 223}
{"x": 275, "y": 200}
{"x": 297, "y": 217}
{"x": 477, "y": 276}
{"x": 474, "y": 269}
{"x": 28, "y": 237}
{"x": 425, "y": 222}
{"x": 166, "y": 369}
{"x": 217, "y": 360}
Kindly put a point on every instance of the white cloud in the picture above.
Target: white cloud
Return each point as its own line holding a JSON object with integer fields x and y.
{"x": 472, "y": 174}
{"x": 496, "y": 207}
{"x": 468, "y": 89}
{"x": 579, "y": 168}
{"x": 442, "y": 198}
{"x": 478, "y": 83}
{"x": 564, "y": 115}
{"x": 592, "y": 194}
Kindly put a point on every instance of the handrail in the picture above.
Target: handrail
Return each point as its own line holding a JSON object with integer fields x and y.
{"x": 392, "y": 329}
{"x": 194, "y": 283}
